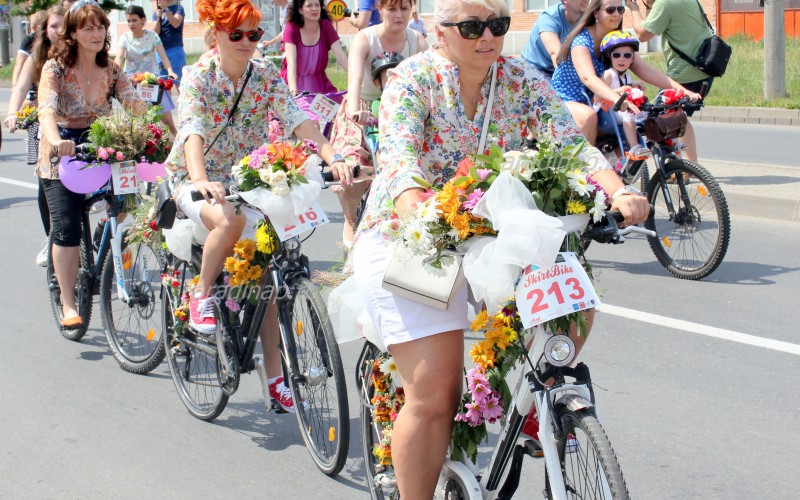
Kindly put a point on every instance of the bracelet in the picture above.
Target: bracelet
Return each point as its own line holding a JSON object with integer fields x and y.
{"x": 337, "y": 158}
{"x": 624, "y": 191}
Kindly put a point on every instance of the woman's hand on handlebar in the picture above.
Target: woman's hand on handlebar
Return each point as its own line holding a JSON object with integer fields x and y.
{"x": 361, "y": 116}
{"x": 212, "y": 191}
{"x": 342, "y": 172}
{"x": 629, "y": 106}
{"x": 635, "y": 208}
{"x": 11, "y": 122}
{"x": 64, "y": 147}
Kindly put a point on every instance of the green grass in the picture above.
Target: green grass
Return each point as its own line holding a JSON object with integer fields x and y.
{"x": 7, "y": 70}
{"x": 743, "y": 83}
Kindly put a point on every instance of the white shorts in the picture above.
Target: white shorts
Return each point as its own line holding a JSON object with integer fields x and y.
{"x": 192, "y": 211}
{"x": 397, "y": 319}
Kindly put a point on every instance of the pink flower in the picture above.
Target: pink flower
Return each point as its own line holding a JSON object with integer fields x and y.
{"x": 472, "y": 199}
{"x": 492, "y": 409}
{"x": 483, "y": 173}
{"x": 120, "y": 156}
{"x": 232, "y": 305}
{"x": 309, "y": 146}
{"x": 102, "y": 154}
{"x": 473, "y": 414}
{"x": 480, "y": 391}
{"x": 593, "y": 183}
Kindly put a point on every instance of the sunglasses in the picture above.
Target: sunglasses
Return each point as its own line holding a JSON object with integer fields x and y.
{"x": 81, "y": 3}
{"x": 472, "y": 30}
{"x": 238, "y": 35}
{"x": 610, "y": 10}
{"x": 626, "y": 55}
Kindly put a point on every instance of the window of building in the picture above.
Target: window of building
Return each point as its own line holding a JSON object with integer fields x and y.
{"x": 538, "y": 5}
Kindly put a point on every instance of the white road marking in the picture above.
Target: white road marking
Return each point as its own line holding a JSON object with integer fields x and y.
{"x": 709, "y": 331}
{"x": 19, "y": 183}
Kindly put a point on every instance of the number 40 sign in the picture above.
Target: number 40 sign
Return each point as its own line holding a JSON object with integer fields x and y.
{"x": 563, "y": 288}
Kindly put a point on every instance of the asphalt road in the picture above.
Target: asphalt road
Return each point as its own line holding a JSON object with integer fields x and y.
{"x": 690, "y": 415}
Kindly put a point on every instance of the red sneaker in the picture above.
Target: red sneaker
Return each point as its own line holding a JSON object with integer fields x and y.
{"x": 201, "y": 315}
{"x": 281, "y": 395}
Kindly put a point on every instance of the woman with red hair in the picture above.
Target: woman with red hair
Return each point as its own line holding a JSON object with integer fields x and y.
{"x": 213, "y": 136}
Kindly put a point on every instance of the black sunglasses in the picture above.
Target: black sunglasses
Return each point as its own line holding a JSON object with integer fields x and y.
{"x": 626, "y": 55}
{"x": 620, "y": 9}
{"x": 236, "y": 35}
{"x": 472, "y": 30}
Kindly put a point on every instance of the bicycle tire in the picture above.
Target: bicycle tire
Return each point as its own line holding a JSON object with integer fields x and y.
{"x": 379, "y": 478}
{"x": 592, "y": 455}
{"x": 83, "y": 293}
{"x": 319, "y": 390}
{"x": 194, "y": 373}
{"x": 134, "y": 329}
{"x": 693, "y": 243}
{"x": 454, "y": 484}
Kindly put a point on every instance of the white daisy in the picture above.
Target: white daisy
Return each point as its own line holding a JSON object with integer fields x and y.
{"x": 418, "y": 237}
{"x": 389, "y": 367}
{"x": 577, "y": 181}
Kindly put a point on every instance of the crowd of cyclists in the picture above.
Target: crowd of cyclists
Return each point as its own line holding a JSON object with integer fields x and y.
{"x": 430, "y": 111}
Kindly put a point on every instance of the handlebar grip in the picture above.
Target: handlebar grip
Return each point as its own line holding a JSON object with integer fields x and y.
{"x": 197, "y": 196}
{"x": 619, "y": 102}
{"x": 327, "y": 176}
{"x": 703, "y": 90}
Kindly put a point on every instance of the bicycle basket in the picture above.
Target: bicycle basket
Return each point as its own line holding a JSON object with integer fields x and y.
{"x": 667, "y": 126}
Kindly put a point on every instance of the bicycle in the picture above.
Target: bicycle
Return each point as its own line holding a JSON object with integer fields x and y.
{"x": 206, "y": 369}
{"x": 127, "y": 276}
{"x": 691, "y": 217}
{"x": 579, "y": 460}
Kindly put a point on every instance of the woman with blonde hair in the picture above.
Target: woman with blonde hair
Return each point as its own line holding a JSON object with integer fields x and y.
{"x": 431, "y": 116}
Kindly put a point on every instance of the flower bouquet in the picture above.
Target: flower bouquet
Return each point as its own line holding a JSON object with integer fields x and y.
{"x": 144, "y": 77}
{"x": 387, "y": 400}
{"x": 150, "y": 87}
{"x": 245, "y": 268}
{"x": 27, "y": 117}
{"x": 144, "y": 228}
{"x": 281, "y": 179}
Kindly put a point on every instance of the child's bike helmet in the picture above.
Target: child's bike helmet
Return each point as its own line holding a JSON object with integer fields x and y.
{"x": 384, "y": 61}
{"x": 616, "y": 39}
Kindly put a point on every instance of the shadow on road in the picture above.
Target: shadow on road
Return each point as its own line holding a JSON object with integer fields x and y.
{"x": 8, "y": 202}
{"x": 756, "y": 180}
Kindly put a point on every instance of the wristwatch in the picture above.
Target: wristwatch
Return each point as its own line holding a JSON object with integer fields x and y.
{"x": 624, "y": 190}
{"x": 336, "y": 158}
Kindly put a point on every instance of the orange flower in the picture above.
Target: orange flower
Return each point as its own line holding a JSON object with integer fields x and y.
{"x": 483, "y": 354}
{"x": 461, "y": 223}
{"x": 282, "y": 151}
{"x": 463, "y": 167}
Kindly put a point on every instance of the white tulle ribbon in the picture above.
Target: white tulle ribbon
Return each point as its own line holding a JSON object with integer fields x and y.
{"x": 282, "y": 210}
{"x": 526, "y": 235}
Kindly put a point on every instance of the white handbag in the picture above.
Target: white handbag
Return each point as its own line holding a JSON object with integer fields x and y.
{"x": 406, "y": 275}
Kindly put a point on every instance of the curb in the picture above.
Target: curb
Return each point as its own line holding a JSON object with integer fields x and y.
{"x": 760, "y": 116}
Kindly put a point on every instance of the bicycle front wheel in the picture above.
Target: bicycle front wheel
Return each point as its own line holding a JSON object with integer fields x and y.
{"x": 318, "y": 386}
{"x": 588, "y": 463}
{"x": 192, "y": 359}
{"x": 133, "y": 325}
{"x": 691, "y": 220}
{"x": 83, "y": 292}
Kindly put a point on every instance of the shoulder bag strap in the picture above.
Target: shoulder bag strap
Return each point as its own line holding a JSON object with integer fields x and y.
{"x": 487, "y": 117}
{"x": 233, "y": 108}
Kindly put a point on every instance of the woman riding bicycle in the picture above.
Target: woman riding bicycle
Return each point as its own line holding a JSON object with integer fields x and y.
{"x": 391, "y": 36}
{"x": 580, "y": 66}
{"x": 432, "y": 113}
{"x": 308, "y": 37}
{"x": 211, "y": 141}
{"x": 76, "y": 88}
{"x": 137, "y": 53}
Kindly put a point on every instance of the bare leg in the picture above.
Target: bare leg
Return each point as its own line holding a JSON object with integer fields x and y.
{"x": 431, "y": 369}
{"x": 167, "y": 120}
{"x": 350, "y": 199}
{"x": 65, "y": 263}
{"x": 270, "y": 338}
{"x": 630, "y": 134}
{"x": 691, "y": 142}
{"x": 586, "y": 119}
{"x": 226, "y": 228}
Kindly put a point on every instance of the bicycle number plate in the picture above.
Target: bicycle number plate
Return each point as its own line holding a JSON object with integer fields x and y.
{"x": 148, "y": 93}
{"x": 311, "y": 218}
{"x": 124, "y": 178}
{"x": 563, "y": 288}
{"x": 324, "y": 107}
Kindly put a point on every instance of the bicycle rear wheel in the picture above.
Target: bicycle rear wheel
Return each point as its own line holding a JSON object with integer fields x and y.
{"x": 318, "y": 388}
{"x": 133, "y": 327}
{"x": 191, "y": 357}
{"x": 693, "y": 237}
{"x": 83, "y": 292}
{"x": 588, "y": 463}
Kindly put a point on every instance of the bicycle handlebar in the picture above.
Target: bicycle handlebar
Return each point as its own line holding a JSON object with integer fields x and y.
{"x": 82, "y": 153}
{"x": 607, "y": 230}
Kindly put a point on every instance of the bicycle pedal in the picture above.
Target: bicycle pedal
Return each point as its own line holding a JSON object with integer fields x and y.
{"x": 533, "y": 448}
{"x": 276, "y": 407}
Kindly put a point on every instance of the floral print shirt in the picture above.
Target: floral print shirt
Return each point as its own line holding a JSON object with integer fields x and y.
{"x": 425, "y": 131}
{"x": 207, "y": 94}
{"x": 60, "y": 94}
{"x": 140, "y": 53}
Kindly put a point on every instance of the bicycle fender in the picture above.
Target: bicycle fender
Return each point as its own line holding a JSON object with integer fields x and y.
{"x": 573, "y": 402}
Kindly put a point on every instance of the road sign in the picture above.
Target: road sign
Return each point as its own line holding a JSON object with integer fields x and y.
{"x": 336, "y": 10}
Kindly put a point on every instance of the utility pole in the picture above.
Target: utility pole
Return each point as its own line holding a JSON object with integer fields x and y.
{"x": 774, "y": 50}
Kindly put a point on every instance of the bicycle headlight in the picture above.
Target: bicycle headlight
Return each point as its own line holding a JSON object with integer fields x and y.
{"x": 559, "y": 350}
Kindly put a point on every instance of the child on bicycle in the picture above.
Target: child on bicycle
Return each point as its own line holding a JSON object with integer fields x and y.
{"x": 618, "y": 49}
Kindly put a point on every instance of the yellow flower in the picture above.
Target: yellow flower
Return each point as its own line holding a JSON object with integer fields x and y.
{"x": 576, "y": 207}
{"x": 510, "y": 334}
{"x": 255, "y": 273}
{"x": 245, "y": 249}
{"x": 479, "y": 323}
{"x": 264, "y": 241}
{"x": 500, "y": 320}
{"x": 246, "y": 160}
{"x": 483, "y": 354}
{"x": 230, "y": 264}
{"x": 194, "y": 281}
{"x": 497, "y": 337}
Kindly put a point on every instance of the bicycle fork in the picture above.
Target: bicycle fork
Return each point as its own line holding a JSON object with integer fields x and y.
{"x": 117, "y": 231}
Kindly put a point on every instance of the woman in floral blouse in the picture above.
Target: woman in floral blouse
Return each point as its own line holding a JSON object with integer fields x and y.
{"x": 209, "y": 144}
{"x": 76, "y": 88}
{"x": 431, "y": 117}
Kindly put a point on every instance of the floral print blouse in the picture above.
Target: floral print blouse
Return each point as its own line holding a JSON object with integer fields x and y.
{"x": 425, "y": 131}
{"x": 60, "y": 94}
{"x": 140, "y": 53}
{"x": 207, "y": 94}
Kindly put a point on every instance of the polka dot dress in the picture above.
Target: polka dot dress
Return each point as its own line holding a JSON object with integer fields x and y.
{"x": 566, "y": 81}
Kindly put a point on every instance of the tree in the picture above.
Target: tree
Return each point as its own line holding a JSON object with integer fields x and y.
{"x": 28, "y": 7}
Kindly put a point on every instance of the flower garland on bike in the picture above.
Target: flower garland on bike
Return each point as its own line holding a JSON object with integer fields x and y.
{"x": 432, "y": 115}
{"x": 210, "y": 140}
